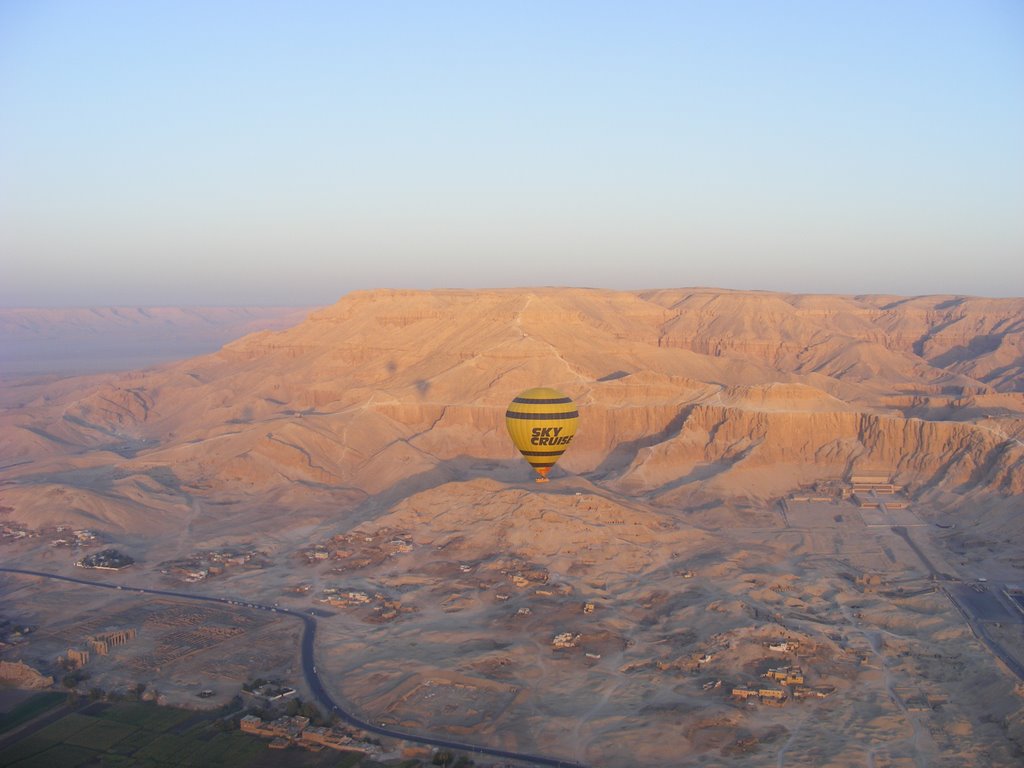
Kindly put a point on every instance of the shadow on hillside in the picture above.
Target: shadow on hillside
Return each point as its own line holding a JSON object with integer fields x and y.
{"x": 699, "y": 473}
{"x": 165, "y": 477}
{"x": 976, "y": 347}
{"x": 513, "y": 473}
{"x": 625, "y": 453}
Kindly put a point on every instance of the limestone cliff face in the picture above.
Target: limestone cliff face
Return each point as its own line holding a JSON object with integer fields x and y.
{"x": 744, "y": 393}
{"x": 954, "y": 456}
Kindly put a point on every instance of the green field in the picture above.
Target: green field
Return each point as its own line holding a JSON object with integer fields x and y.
{"x": 66, "y": 727}
{"x": 145, "y": 735}
{"x": 146, "y": 717}
{"x": 56, "y": 756}
{"x": 30, "y": 708}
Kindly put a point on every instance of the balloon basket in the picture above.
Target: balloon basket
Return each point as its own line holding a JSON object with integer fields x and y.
{"x": 542, "y": 480}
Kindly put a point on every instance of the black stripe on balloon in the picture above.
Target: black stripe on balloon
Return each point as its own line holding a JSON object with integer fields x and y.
{"x": 542, "y": 401}
{"x": 545, "y": 416}
{"x": 543, "y": 453}
{"x": 542, "y": 463}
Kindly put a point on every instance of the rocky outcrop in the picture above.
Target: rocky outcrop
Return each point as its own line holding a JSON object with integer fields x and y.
{"x": 21, "y": 675}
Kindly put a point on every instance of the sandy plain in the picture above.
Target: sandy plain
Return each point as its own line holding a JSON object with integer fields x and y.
{"x": 372, "y": 433}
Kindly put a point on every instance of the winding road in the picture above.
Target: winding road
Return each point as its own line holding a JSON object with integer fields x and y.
{"x": 323, "y": 697}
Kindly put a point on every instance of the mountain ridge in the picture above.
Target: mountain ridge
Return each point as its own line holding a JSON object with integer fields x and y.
{"x": 384, "y": 386}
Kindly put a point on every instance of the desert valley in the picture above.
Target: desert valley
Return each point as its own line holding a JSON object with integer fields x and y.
{"x": 788, "y": 531}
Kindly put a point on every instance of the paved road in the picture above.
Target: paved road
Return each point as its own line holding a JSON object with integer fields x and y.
{"x": 976, "y": 623}
{"x": 312, "y": 677}
{"x": 900, "y": 531}
{"x": 971, "y": 610}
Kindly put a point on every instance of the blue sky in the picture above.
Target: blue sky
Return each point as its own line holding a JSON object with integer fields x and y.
{"x": 288, "y": 152}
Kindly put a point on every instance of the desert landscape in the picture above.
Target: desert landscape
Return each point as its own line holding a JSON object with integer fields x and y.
{"x": 788, "y": 530}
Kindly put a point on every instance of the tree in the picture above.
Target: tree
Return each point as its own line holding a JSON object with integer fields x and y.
{"x": 308, "y": 709}
{"x": 72, "y": 679}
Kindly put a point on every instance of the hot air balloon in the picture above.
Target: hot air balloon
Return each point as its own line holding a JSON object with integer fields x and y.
{"x": 542, "y": 422}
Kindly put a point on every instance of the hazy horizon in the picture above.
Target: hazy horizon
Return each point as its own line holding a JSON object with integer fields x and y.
{"x": 262, "y": 154}
{"x": 42, "y": 306}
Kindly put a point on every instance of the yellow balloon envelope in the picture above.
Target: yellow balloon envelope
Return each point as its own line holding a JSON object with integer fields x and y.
{"x": 542, "y": 423}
